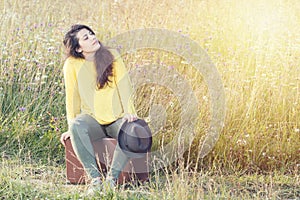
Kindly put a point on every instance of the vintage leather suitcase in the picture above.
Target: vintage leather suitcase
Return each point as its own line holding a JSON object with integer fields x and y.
{"x": 137, "y": 169}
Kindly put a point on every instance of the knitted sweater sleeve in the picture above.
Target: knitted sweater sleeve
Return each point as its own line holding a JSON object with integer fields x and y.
{"x": 73, "y": 102}
{"x": 124, "y": 84}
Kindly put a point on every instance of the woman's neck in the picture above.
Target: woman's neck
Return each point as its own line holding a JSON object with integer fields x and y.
{"x": 89, "y": 56}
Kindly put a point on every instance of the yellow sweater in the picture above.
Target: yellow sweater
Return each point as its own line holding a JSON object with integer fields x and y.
{"x": 82, "y": 95}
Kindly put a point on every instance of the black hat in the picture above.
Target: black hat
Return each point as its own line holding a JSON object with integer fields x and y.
{"x": 135, "y": 138}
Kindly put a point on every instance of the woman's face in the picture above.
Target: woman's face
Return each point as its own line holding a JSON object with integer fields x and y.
{"x": 87, "y": 41}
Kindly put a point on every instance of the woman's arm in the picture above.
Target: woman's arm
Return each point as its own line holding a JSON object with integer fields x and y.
{"x": 124, "y": 85}
{"x": 73, "y": 102}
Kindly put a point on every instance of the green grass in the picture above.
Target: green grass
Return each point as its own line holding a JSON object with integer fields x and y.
{"x": 26, "y": 180}
{"x": 255, "y": 47}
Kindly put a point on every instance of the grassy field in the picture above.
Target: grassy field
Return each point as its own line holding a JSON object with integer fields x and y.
{"x": 27, "y": 180}
{"x": 255, "y": 46}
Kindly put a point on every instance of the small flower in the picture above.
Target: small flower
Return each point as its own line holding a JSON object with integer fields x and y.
{"x": 44, "y": 77}
{"x": 22, "y": 109}
{"x": 119, "y": 47}
{"x": 241, "y": 142}
{"x": 171, "y": 67}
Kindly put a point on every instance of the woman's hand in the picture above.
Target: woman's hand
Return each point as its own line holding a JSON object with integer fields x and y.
{"x": 130, "y": 117}
{"x": 64, "y": 137}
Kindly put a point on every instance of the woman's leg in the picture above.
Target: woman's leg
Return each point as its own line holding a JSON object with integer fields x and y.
{"x": 119, "y": 158}
{"x": 85, "y": 129}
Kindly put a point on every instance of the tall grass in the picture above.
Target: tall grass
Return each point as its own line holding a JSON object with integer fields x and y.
{"x": 26, "y": 180}
{"x": 255, "y": 46}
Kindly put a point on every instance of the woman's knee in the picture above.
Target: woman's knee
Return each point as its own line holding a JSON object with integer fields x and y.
{"x": 85, "y": 125}
{"x": 78, "y": 126}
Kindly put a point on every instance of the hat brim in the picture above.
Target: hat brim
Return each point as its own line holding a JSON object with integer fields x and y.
{"x": 123, "y": 134}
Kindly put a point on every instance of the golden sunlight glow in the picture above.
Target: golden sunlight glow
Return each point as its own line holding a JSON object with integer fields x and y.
{"x": 263, "y": 17}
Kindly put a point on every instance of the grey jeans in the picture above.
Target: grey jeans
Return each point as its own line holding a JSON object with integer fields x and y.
{"x": 85, "y": 129}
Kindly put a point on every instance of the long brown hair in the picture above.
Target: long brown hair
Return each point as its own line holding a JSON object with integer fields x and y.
{"x": 104, "y": 66}
{"x": 103, "y": 57}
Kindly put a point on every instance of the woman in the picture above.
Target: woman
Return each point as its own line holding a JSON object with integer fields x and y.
{"x": 98, "y": 93}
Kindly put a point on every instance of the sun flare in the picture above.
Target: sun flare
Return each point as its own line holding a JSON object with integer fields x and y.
{"x": 264, "y": 17}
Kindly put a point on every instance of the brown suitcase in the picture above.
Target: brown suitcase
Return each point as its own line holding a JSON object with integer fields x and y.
{"x": 137, "y": 169}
